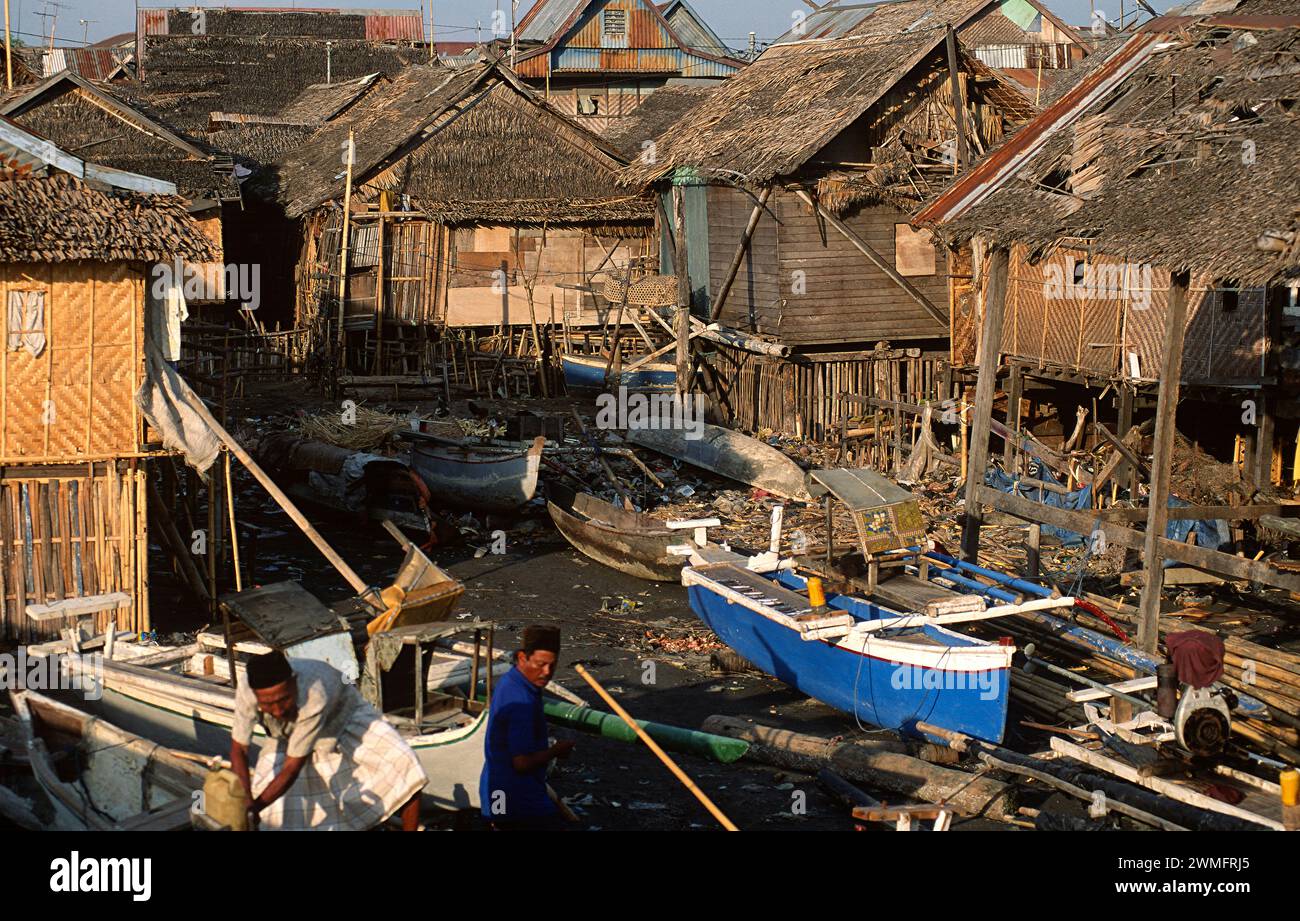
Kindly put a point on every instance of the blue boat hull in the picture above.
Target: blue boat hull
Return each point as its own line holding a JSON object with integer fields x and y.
{"x": 583, "y": 373}
{"x": 874, "y": 688}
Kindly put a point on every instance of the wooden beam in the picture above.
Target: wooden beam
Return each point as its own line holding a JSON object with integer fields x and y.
{"x": 1171, "y": 370}
{"x": 1205, "y": 512}
{"x": 682, "y": 265}
{"x": 958, "y": 100}
{"x": 1234, "y": 567}
{"x": 876, "y": 259}
{"x": 745, "y": 239}
{"x": 1015, "y": 386}
{"x": 990, "y": 349}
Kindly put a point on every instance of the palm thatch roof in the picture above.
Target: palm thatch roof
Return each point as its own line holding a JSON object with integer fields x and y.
{"x": 466, "y": 145}
{"x": 187, "y": 77}
{"x": 1188, "y": 162}
{"x": 59, "y": 219}
{"x": 93, "y": 120}
{"x": 769, "y": 120}
{"x": 659, "y": 112}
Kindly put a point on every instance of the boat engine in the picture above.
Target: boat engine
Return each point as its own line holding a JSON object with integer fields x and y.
{"x": 1201, "y": 721}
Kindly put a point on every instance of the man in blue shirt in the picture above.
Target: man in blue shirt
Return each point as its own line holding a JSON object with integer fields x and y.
{"x": 512, "y": 789}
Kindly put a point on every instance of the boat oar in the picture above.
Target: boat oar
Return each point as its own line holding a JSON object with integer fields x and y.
{"x": 659, "y": 752}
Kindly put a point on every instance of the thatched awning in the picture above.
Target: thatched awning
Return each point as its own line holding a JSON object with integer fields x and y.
{"x": 771, "y": 118}
{"x": 60, "y": 219}
{"x": 1185, "y": 163}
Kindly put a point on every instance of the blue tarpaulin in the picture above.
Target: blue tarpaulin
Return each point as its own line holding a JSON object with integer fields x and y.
{"x": 1209, "y": 534}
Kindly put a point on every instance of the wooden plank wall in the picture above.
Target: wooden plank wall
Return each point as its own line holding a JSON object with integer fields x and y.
{"x": 840, "y": 297}
{"x": 799, "y": 397}
{"x": 71, "y": 531}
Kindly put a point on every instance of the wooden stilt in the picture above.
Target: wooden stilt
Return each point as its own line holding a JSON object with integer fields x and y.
{"x": 1171, "y": 370}
{"x": 986, "y": 386}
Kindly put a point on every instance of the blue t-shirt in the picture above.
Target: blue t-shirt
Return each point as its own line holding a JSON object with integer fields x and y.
{"x": 516, "y": 726}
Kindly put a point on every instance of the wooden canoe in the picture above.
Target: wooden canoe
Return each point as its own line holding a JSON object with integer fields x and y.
{"x": 98, "y": 777}
{"x": 627, "y": 541}
{"x": 729, "y": 454}
{"x": 587, "y": 372}
{"x": 460, "y": 477}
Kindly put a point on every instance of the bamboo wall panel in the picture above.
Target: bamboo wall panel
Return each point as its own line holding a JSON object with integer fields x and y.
{"x": 67, "y": 532}
{"x": 77, "y": 398}
{"x": 1098, "y": 333}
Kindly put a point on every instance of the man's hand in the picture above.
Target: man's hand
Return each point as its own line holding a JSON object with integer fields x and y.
{"x": 563, "y": 748}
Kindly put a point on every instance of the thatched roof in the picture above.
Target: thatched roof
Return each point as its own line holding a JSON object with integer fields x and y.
{"x": 187, "y": 76}
{"x": 771, "y": 118}
{"x": 95, "y": 121}
{"x": 60, "y": 218}
{"x": 466, "y": 145}
{"x": 322, "y": 102}
{"x": 663, "y": 109}
{"x": 1183, "y": 163}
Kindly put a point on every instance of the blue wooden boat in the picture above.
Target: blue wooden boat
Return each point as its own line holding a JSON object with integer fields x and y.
{"x": 880, "y": 650}
{"x": 884, "y": 668}
{"x": 587, "y": 372}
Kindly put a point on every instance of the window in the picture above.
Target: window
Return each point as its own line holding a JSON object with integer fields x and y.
{"x": 913, "y": 251}
{"x": 1079, "y": 272}
{"x": 616, "y": 22}
{"x": 588, "y": 105}
{"x": 27, "y": 321}
{"x": 1229, "y": 299}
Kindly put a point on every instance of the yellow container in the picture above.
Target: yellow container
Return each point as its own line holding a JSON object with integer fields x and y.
{"x": 816, "y": 594}
{"x": 1290, "y": 781}
{"x": 224, "y": 799}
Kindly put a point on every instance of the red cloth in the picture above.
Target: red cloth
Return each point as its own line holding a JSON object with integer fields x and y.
{"x": 1197, "y": 655}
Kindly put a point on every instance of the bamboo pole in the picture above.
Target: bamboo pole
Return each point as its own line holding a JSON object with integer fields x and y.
{"x": 343, "y": 247}
{"x": 659, "y": 752}
{"x": 284, "y": 501}
{"x": 234, "y": 535}
{"x": 9, "y": 53}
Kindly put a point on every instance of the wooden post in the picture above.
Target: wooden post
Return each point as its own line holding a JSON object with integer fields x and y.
{"x": 1033, "y": 548}
{"x": 377, "y": 366}
{"x": 958, "y": 101}
{"x": 986, "y": 386}
{"x": 682, "y": 266}
{"x": 745, "y": 239}
{"x": 343, "y": 248}
{"x": 1015, "y": 386}
{"x": 9, "y": 53}
{"x": 1171, "y": 369}
{"x": 1263, "y": 459}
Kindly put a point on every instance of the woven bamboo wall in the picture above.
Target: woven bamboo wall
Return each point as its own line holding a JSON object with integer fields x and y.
{"x": 1099, "y": 334}
{"x": 76, "y": 400}
{"x": 70, "y": 531}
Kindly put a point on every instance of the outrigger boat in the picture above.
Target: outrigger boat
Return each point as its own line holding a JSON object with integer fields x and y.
{"x": 881, "y": 649}
{"x": 183, "y": 697}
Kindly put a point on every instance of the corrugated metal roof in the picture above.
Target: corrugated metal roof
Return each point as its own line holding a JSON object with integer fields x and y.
{"x": 546, "y": 18}
{"x": 391, "y": 27}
